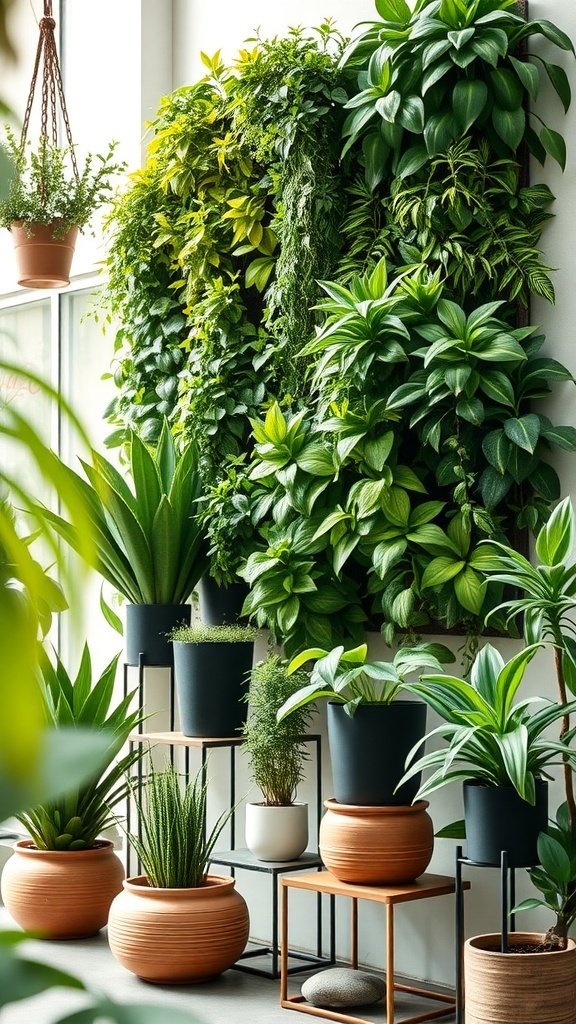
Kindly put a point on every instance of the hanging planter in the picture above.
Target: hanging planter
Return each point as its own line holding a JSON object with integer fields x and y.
{"x": 49, "y": 199}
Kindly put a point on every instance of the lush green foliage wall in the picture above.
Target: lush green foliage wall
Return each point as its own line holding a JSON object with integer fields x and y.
{"x": 395, "y": 411}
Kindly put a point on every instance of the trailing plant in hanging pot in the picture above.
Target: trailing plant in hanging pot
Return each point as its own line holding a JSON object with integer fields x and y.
{"x": 49, "y": 199}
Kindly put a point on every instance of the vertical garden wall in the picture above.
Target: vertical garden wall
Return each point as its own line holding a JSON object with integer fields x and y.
{"x": 323, "y": 276}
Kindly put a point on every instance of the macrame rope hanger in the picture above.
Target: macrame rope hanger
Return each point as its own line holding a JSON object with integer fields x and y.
{"x": 52, "y": 91}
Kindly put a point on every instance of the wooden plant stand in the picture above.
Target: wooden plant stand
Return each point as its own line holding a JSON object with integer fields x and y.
{"x": 425, "y": 887}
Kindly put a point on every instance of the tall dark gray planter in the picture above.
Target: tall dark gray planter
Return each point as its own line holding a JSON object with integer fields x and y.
{"x": 220, "y": 605}
{"x": 211, "y": 679}
{"x": 368, "y": 751}
{"x": 497, "y": 819}
{"x": 146, "y": 629}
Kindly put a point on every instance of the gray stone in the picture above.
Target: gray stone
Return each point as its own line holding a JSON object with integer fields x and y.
{"x": 343, "y": 986}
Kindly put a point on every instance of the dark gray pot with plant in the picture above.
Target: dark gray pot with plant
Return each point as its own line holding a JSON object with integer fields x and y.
{"x": 147, "y": 543}
{"x": 211, "y": 668}
{"x": 370, "y": 733}
{"x": 220, "y": 603}
{"x": 498, "y": 749}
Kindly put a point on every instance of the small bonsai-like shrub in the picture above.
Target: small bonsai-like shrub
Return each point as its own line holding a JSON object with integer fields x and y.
{"x": 44, "y": 188}
{"x": 175, "y": 847}
{"x": 201, "y": 634}
{"x": 275, "y": 749}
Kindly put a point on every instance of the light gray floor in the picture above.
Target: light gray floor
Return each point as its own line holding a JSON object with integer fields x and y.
{"x": 234, "y": 998}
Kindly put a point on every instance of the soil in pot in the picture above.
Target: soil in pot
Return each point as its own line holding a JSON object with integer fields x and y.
{"x": 519, "y": 987}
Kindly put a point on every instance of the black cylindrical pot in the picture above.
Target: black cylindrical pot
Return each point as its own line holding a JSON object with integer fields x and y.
{"x": 497, "y": 819}
{"x": 220, "y": 605}
{"x": 368, "y": 751}
{"x": 211, "y": 680}
{"x": 146, "y": 629}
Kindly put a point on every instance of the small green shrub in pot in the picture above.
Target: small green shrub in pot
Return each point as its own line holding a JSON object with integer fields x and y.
{"x": 211, "y": 667}
{"x": 168, "y": 924}
{"x": 277, "y": 827}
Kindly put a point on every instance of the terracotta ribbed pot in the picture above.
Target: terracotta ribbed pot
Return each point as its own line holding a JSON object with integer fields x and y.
{"x": 42, "y": 261}
{"x": 178, "y": 936}
{"x": 518, "y": 988}
{"x": 61, "y": 894}
{"x": 376, "y": 845}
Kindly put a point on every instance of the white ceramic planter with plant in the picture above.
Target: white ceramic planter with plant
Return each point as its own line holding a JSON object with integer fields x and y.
{"x": 277, "y": 826}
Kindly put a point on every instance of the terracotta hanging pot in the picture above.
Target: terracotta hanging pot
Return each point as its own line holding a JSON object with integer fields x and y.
{"x": 42, "y": 261}
{"x": 376, "y": 845}
{"x": 61, "y": 894}
{"x": 178, "y": 936}
{"x": 518, "y": 988}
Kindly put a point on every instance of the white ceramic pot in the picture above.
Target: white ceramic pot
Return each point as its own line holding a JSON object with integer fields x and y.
{"x": 277, "y": 833}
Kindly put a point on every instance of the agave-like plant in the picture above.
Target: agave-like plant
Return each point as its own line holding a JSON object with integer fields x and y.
{"x": 75, "y": 820}
{"x": 148, "y": 542}
{"x": 173, "y": 843}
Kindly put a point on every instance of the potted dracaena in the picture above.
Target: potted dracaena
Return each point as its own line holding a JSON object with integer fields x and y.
{"x": 508, "y": 747}
{"x": 277, "y": 826}
{"x": 177, "y": 924}
{"x": 147, "y": 543}
{"x": 370, "y": 733}
{"x": 61, "y": 881}
{"x": 529, "y": 985}
{"x": 211, "y": 667}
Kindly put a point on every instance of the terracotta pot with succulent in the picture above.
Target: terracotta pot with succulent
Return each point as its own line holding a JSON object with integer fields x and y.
{"x": 148, "y": 544}
{"x": 277, "y": 827}
{"x": 48, "y": 203}
{"x": 61, "y": 882}
{"x": 211, "y": 667}
{"x": 176, "y": 924}
{"x": 370, "y": 734}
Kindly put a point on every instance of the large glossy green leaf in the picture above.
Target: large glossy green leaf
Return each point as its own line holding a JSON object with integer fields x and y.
{"x": 554, "y": 145}
{"x": 440, "y": 130}
{"x": 507, "y": 89}
{"x": 496, "y": 447}
{"x": 440, "y": 570}
{"x": 523, "y": 431}
{"x": 559, "y": 80}
{"x": 556, "y": 538}
{"x": 468, "y": 101}
{"x": 528, "y": 75}
{"x": 469, "y": 589}
{"x": 510, "y": 125}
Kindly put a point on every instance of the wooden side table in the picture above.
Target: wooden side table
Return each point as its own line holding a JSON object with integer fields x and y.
{"x": 423, "y": 888}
